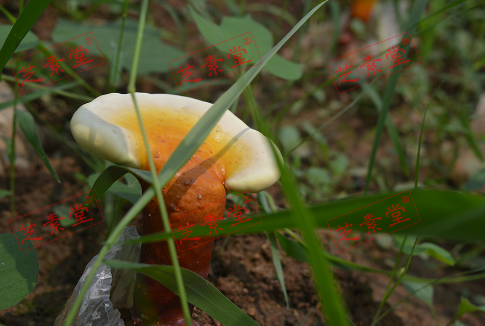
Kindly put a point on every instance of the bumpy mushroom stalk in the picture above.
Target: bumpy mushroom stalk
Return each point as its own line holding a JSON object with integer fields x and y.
{"x": 233, "y": 157}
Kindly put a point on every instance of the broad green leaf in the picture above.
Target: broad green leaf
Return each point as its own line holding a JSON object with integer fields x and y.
{"x": 19, "y": 271}
{"x": 289, "y": 137}
{"x": 446, "y": 214}
{"x": 155, "y": 55}
{"x": 30, "y": 40}
{"x": 131, "y": 192}
{"x": 200, "y": 293}
{"x": 467, "y": 306}
{"x": 235, "y": 26}
{"x": 428, "y": 248}
{"x": 26, "y": 123}
{"x": 27, "y": 18}
{"x": 476, "y": 181}
{"x": 420, "y": 290}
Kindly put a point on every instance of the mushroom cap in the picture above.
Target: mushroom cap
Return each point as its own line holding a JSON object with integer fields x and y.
{"x": 108, "y": 128}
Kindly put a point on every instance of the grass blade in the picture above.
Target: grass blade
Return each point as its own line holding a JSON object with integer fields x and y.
{"x": 200, "y": 293}
{"x": 29, "y": 15}
{"x": 416, "y": 12}
{"x": 26, "y": 123}
{"x": 391, "y": 129}
{"x": 277, "y": 264}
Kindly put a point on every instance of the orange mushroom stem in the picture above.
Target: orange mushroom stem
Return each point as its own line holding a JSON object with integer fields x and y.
{"x": 233, "y": 157}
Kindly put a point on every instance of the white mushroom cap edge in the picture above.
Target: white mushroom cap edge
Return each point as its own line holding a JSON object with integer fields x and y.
{"x": 93, "y": 127}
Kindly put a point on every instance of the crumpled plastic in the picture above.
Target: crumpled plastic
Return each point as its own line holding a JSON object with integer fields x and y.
{"x": 97, "y": 309}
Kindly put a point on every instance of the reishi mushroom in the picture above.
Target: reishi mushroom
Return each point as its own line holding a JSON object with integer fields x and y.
{"x": 234, "y": 157}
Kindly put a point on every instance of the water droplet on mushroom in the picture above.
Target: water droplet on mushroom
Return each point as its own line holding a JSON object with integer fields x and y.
{"x": 200, "y": 196}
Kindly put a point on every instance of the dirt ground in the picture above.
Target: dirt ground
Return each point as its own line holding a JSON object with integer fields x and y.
{"x": 242, "y": 269}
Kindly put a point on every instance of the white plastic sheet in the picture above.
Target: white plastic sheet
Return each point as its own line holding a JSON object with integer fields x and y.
{"x": 97, "y": 308}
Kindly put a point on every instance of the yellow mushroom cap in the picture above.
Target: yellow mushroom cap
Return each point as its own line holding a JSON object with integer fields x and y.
{"x": 108, "y": 128}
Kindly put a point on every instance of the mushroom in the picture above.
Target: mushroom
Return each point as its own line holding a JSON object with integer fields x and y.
{"x": 234, "y": 157}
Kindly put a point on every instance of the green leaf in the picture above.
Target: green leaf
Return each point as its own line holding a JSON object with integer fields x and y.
{"x": 428, "y": 248}
{"x": 289, "y": 137}
{"x": 476, "y": 181}
{"x": 27, "y": 18}
{"x": 444, "y": 213}
{"x": 110, "y": 176}
{"x": 292, "y": 248}
{"x": 63, "y": 211}
{"x": 19, "y": 271}
{"x": 130, "y": 192}
{"x": 200, "y": 293}
{"x": 231, "y": 27}
{"x": 469, "y": 134}
{"x": 467, "y": 306}
{"x": 4, "y": 193}
{"x": 416, "y": 11}
{"x": 277, "y": 264}
{"x": 420, "y": 290}
{"x": 391, "y": 129}
{"x": 155, "y": 55}
{"x": 30, "y": 40}
{"x": 26, "y": 123}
